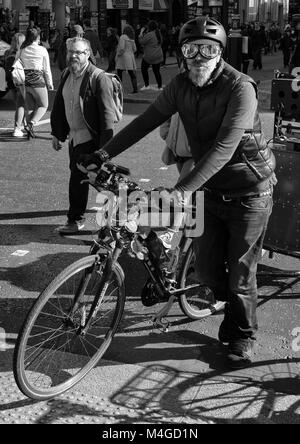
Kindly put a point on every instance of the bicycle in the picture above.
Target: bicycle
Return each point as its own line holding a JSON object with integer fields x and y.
{"x": 72, "y": 323}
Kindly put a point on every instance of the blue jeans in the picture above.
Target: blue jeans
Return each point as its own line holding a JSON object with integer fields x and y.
{"x": 227, "y": 255}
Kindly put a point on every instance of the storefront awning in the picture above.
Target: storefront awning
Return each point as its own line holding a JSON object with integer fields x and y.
{"x": 154, "y": 5}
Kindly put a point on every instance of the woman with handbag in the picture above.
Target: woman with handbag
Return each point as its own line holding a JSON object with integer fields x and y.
{"x": 9, "y": 59}
{"x": 38, "y": 77}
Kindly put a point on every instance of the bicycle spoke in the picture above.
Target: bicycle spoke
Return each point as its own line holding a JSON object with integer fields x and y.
{"x": 58, "y": 343}
{"x": 44, "y": 342}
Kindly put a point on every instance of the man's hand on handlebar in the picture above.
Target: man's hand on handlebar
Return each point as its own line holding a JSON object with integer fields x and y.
{"x": 91, "y": 173}
{"x": 89, "y": 161}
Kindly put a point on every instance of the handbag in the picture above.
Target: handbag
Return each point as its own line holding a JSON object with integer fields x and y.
{"x": 18, "y": 73}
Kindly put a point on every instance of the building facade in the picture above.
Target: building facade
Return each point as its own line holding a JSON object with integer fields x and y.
{"x": 49, "y": 14}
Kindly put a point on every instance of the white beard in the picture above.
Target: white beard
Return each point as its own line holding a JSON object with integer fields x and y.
{"x": 201, "y": 77}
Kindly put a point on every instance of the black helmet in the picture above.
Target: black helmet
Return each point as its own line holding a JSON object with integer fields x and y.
{"x": 203, "y": 28}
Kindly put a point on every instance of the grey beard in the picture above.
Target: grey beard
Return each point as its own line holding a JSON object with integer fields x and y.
{"x": 200, "y": 79}
{"x": 75, "y": 67}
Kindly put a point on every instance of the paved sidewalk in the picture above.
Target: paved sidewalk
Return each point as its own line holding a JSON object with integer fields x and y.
{"x": 120, "y": 393}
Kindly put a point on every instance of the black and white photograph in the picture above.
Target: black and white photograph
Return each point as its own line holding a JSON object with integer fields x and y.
{"x": 150, "y": 215}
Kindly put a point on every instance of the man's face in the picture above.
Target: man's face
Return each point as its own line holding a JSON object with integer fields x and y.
{"x": 201, "y": 68}
{"x": 77, "y": 56}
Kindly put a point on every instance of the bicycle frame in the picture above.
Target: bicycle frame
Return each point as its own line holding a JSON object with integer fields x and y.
{"x": 166, "y": 292}
{"x": 164, "y": 289}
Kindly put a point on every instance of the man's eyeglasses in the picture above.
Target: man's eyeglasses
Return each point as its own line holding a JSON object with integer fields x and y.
{"x": 77, "y": 53}
{"x": 191, "y": 50}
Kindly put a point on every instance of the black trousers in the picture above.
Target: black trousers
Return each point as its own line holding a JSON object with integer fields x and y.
{"x": 156, "y": 71}
{"x": 78, "y": 192}
{"x": 132, "y": 75}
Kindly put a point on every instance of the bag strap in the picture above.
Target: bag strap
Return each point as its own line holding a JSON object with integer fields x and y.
{"x": 18, "y": 55}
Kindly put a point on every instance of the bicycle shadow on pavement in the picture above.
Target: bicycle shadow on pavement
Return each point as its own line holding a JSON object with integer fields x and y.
{"x": 273, "y": 286}
{"x": 25, "y": 233}
{"x": 34, "y": 275}
{"x": 268, "y": 392}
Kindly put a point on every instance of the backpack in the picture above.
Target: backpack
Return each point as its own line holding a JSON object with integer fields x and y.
{"x": 118, "y": 95}
{"x": 18, "y": 73}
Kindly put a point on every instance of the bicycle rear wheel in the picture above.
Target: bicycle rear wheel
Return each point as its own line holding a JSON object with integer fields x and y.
{"x": 199, "y": 302}
{"x": 52, "y": 354}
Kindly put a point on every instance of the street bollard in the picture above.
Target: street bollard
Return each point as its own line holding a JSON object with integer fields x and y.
{"x": 234, "y": 49}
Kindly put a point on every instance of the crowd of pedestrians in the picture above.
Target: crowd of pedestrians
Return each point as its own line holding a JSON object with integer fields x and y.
{"x": 269, "y": 41}
{"x": 152, "y": 43}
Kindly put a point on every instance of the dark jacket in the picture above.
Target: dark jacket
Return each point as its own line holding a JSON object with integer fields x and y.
{"x": 97, "y": 106}
{"x": 110, "y": 44}
{"x": 95, "y": 43}
{"x": 240, "y": 162}
{"x": 295, "y": 59}
{"x": 259, "y": 40}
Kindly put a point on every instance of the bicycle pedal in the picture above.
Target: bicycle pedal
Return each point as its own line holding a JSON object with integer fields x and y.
{"x": 150, "y": 297}
{"x": 161, "y": 325}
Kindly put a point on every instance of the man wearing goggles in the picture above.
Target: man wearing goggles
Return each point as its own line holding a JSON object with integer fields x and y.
{"x": 208, "y": 51}
{"x": 233, "y": 165}
{"x": 200, "y": 58}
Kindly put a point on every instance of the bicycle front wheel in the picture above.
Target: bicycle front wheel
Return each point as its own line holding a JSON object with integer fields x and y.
{"x": 199, "y": 302}
{"x": 53, "y": 352}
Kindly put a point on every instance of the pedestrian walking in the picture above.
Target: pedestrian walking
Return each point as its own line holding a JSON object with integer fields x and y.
{"x": 92, "y": 37}
{"x": 125, "y": 59}
{"x": 246, "y": 49}
{"x": 165, "y": 42}
{"x": 76, "y": 31}
{"x": 234, "y": 166}
{"x": 38, "y": 78}
{"x": 85, "y": 115}
{"x": 9, "y": 58}
{"x": 295, "y": 58}
{"x": 286, "y": 46}
{"x": 259, "y": 42}
{"x": 151, "y": 40}
{"x": 56, "y": 43}
{"x": 274, "y": 36}
{"x": 62, "y": 51}
{"x": 137, "y": 32}
{"x": 110, "y": 46}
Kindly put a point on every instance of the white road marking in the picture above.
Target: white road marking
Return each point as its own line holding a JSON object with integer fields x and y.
{"x": 41, "y": 122}
{"x": 20, "y": 253}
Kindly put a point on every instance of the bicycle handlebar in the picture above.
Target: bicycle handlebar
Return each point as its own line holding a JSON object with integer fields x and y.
{"x": 117, "y": 169}
{"x": 110, "y": 175}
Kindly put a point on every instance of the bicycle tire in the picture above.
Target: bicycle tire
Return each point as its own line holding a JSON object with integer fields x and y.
{"x": 52, "y": 368}
{"x": 199, "y": 305}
